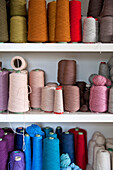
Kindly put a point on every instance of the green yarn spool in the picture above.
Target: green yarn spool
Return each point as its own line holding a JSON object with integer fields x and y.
{"x": 18, "y": 29}
{"x": 18, "y": 7}
{"x": 3, "y": 22}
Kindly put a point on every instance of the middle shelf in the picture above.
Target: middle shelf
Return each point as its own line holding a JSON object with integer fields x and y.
{"x": 40, "y": 116}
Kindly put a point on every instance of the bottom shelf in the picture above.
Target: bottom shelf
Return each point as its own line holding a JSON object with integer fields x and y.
{"x": 40, "y": 116}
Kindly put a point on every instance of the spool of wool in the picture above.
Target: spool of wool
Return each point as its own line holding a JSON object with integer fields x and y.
{"x": 91, "y": 146}
{"x": 110, "y": 107}
{"x": 106, "y": 29}
{"x": 95, "y": 8}
{"x": 71, "y": 98}
{"x": 103, "y": 160}
{"x": 103, "y": 69}
{"x": 1, "y": 133}
{"x": 107, "y": 9}
{"x": 67, "y": 72}
{"x": 65, "y": 160}
{"x": 89, "y": 30}
{"x": 10, "y": 137}
{"x": 3, "y": 154}
{"x": 18, "y": 8}
{"x": 91, "y": 78}
{"x": 52, "y": 84}
{"x": 109, "y": 145}
{"x": 33, "y": 130}
{"x": 99, "y": 99}
{"x": 99, "y": 80}
{"x": 95, "y": 135}
{"x": 47, "y": 130}
{"x": 100, "y": 141}
{"x": 110, "y": 63}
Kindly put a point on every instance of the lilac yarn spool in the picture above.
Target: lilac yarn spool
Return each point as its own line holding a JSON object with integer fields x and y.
{"x": 1, "y": 133}
{"x": 10, "y": 141}
{"x": 99, "y": 80}
{"x": 4, "y": 90}
{"x": 3, "y": 154}
{"x": 99, "y": 98}
{"x": 16, "y": 161}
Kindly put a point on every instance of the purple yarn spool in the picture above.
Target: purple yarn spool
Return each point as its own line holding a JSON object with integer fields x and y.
{"x": 10, "y": 140}
{"x": 17, "y": 161}
{"x": 4, "y": 90}
{"x": 3, "y": 154}
{"x": 6, "y": 129}
{"x": 1, "y": 133}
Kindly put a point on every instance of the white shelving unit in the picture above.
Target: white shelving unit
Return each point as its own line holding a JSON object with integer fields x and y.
{"x": 77, "y": 117}
{"x": 55, "y": 47}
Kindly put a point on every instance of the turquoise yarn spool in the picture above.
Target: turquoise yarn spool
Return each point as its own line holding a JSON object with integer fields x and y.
{"x": 47, "y": 130}
{"x": 27, "y": 152}
{"x": 37, "y": 153}
{"x": 51, "y": 134}
{"x": 51, "y": 154}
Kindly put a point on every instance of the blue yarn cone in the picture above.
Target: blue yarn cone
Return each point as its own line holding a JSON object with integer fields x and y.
{"x": 51, "y": 134}
{"x": 27, "y": 152}
{"x": 37, "y": 153}
{"x": 47, "y": 130}
{"x": 51, "y": 154}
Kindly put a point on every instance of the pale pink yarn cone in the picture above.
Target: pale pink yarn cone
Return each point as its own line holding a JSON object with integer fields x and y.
{"x": 36, "y": 81}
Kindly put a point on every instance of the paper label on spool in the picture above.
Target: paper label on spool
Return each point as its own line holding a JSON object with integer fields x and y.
{"x": 51, "y": 138}
{"x": 17, "y": 158}
{"x": 51, "y": 133}
{"x": 0, "y": 139}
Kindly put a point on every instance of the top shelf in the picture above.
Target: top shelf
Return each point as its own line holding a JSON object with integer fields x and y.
{"x": 55, "y": 47}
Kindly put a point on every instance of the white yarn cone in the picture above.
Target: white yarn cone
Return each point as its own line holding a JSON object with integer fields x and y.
{"x": 91, "y": 146}
{"x": 58, "y": 101}
{"x": 103, "y": 160}
{"x": 47, "y": 99}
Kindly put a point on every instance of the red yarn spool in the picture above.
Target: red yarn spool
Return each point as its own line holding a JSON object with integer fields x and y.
{"x": 80, "y": 159}
{"x": 75, "y": 131}
{"x": 75, "y": 21}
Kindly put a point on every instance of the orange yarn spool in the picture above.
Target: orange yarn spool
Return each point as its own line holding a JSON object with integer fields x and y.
{"x": 62, "y": 21}
{"x": 51, "y": 20}
{"x": 37, "y": 21}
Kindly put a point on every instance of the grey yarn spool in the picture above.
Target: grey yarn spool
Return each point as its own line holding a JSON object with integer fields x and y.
{"x": 100, "y": 141}
{"x": 110, "y": 107}
{"x": 3, "y": 22}
{"x": 89, "y": 30}
{"x": 104, "y": 70}
{"x": 91, "y": 78}
{"x": 96, "y": 149}
{"x": 106, "y": 29}
{"x": 110, "y": 63}
{"x": 95, "y": 7}
{"x": 111, "y": 72}
{"x": 107, "y": 9}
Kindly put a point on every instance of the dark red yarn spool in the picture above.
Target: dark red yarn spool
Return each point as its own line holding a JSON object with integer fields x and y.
{"x": 80, "y": 159}
{"x": 77, "y": 145}
{"x": 75, "y": 21}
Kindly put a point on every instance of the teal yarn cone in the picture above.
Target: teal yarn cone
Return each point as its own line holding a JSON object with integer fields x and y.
{"x": 51, "y": 134}
{"x": 27, "y": 152}
{"x": 37, "y": 153}
{"x": 47, "y": 130}
{"x": 51, "y": 154}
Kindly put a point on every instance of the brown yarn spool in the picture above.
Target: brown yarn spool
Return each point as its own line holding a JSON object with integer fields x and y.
{"x": 67, "y": 72}
{"x": 62, "y": 21}
{"x": 95, "y": 7}
{"x": 106, "y": 29}
{"x": 51, "y": 20}
{"x": 81, "y": 85}
{"x": 71, "y": 98}
{"x": 107, "y": 9}
{"x": 37, "y": 21}
{"x": 3, "y": 22}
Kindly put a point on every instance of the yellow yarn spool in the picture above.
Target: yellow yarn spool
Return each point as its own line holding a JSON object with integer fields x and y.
{"x": 52, "y": 20}
{"x": 18, "y": 7}
{"x": 18, "y": 29}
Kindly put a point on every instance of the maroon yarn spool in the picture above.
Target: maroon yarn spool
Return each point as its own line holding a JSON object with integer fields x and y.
{"x": 71, "y": 98}
{"x": 6, "y": 129}
{"x": 81, "y": 85}
{"x": 3, "y": 154}
{"x": 75, "y": 21}
{"x": 67, "y": 72}
{"x": 10, "y": 141}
